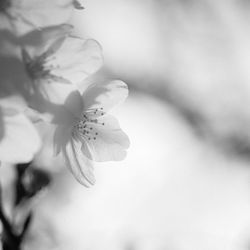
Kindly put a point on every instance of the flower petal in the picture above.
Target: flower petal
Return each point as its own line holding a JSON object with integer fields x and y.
{"x": 44, "y": 42}
{"x": 61, "y": 138}
{"x": 55, "y": 92}
{"x": 58, "y": 100}
{"x": 35, "y": 116}
{"x": 110, "y": 143}
{"x": 80, "y": 166}
{"x": 27, "y": 15}
{"x": 77, "y": 59}
{"x": 14, "y": 80}
{"x": 20, "y": 141}
{"x": 105, "y": 95}
{"x": 74, "y": 103}
{"x": 12, "y": 104}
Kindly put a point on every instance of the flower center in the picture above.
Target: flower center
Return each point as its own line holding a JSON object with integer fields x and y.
{"x": 4, "y": 4}
{"x": 40, "y": 68}
{"x": 84, "y": 126}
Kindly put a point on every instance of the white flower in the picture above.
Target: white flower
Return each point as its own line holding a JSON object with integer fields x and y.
{"x": 61, "y": 60}
{"x": 19, "y": 140}
{"x": 22, "y": 16}
{"x": 85, "y": 131}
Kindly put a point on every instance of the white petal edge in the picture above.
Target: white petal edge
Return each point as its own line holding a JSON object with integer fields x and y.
{"x": 78, "y": 59}
{"x": 29, "y": 15}
{"x": 105, "y": 94}
{"x": 111, "y": 142}
{"x": 78, "y": 164}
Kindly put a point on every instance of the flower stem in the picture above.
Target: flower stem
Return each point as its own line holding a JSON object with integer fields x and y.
{"x": 10, "y": 240}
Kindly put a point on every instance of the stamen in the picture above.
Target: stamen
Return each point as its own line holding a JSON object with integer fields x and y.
{"x": 39, "y": 68}
{"x": 83, "y": 126}
{"x": 42, "y": 67}
{"x": 96, "y": 111}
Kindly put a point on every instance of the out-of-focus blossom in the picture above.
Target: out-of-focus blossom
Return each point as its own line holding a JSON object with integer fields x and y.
{"x": 86, "y": 133}
{"x": 61, "y": 60}
{"x": 15, "y": 79}
{"x": 19, "y": 140}
{"x": 22, "y": 16}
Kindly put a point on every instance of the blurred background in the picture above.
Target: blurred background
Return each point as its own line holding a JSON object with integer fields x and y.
{"x": 185, "y": 184}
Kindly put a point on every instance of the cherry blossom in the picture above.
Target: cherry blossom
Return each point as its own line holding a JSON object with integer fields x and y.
{"x": 61, "y": 62}
{"x": 86, "y": 133}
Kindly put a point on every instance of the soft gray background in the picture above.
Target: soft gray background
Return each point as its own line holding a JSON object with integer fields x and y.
{"x": 185, "y": 184}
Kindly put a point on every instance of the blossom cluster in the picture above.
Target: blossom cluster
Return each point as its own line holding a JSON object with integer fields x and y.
{"x": 44, "y": 78}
